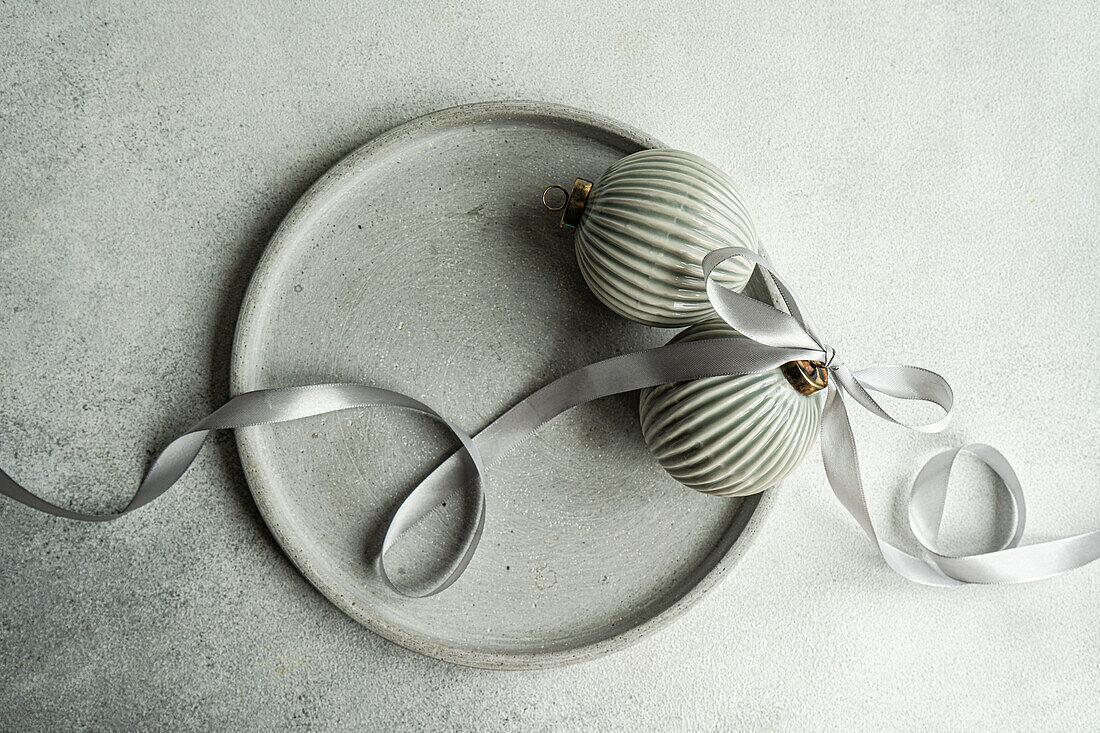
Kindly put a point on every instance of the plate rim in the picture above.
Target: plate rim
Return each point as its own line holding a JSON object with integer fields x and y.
{"x": 247, "y": 448}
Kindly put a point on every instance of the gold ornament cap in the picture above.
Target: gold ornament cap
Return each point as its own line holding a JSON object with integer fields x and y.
{"x": 806, "y": 377}
{"x": 573, "y": 206}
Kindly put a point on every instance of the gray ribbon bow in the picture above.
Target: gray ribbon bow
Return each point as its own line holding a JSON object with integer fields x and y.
{"x": 1011, "y": 563}
{"x": 775, "y": 338}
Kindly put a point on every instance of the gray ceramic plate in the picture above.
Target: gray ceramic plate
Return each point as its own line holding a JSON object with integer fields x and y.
{"x": 424, "y": 262}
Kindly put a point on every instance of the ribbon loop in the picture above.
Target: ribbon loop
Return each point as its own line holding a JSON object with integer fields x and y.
{"x": 759, "y": 321}
{"x": 929, "y": 494}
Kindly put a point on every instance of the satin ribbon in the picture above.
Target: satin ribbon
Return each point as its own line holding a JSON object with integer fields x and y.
{"x": 774, "y": 338}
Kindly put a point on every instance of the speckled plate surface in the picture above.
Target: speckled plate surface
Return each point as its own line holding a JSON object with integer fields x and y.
{"x": 424, "y": 262}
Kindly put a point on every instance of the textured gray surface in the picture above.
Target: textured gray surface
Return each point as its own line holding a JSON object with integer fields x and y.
{"x": 951, "y": 152}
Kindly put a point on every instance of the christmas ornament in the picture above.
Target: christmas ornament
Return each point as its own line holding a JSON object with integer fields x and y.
{"x": 735, "y": 435}
{"x": 641, "y": 233}
{"x": 643, "y": 228}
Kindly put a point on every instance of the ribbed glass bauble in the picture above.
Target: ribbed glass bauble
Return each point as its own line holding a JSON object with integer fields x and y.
{"x": 730, "y": 436}
{"x": 645, "y": 227}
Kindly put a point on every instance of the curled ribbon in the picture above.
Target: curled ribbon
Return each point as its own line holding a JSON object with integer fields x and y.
{"x": 774, "y": 338}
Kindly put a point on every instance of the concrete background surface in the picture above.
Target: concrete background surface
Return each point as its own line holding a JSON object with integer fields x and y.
{"x": 925, "y": 173}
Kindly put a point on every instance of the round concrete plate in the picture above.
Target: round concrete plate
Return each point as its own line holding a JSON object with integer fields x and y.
{"x": 425, "y": 263}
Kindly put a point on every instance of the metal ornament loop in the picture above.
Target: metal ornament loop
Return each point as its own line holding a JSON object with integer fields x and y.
{"x": 564, "y": 202}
